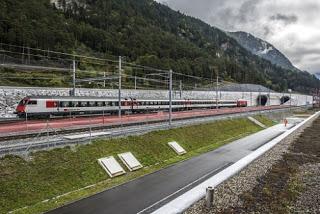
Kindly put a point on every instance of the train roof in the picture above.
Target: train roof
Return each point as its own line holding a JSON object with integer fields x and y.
{"x": 113, "y": 98}
{"x": 68, "y": 97}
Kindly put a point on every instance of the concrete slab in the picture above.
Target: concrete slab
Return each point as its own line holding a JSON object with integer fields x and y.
{"x": 130, "y": 161}
{"x": 80, "y": 136}
{"x": 177, "y": 148}
{"x": 257, "y": 122}
{"x": 111, "y": 166}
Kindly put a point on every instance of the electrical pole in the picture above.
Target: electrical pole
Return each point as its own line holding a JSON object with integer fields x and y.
{"x": 180, "y": 87}
{"x": 170, "y": 97}
{"x": 29, "y": 55}
{"x": 22, "y": 56}
{"x": 217, "y": 85}
{"x": 135, "y": 82}
{"x": 290, "y": 91}
{"x": 269, "y": 97}
{"x": 74, "y": 78}
{"x": 104, "y": 79}
{"x": 259, "y": 97}
{"x": 119, "y": 89}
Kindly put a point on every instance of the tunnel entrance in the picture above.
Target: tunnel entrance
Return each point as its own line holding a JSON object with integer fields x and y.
{"x": 284, "y": 99}
{"x": 262, "y": 100}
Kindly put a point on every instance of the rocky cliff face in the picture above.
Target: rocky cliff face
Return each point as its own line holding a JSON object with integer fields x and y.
{"x": 263, "y": 49}
{"x": 68, "y": 4}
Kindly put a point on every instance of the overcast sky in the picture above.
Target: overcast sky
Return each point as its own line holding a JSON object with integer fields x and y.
{"x": 292, "y": 26}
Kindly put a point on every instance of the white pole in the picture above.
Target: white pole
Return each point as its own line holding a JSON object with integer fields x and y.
{"x": 74, "y": 78}
{"x": 135, "y": 82}
{"x": 217, "y": 83}
{"x": 269, "y": 97}
{"x": 119, "y": 89}
{"x": 209, "y": 197}
{"x": 27, "y": 120}
{"x": 170, "y": 97}
{"x": 180, "y": 89}
{"x": 104, "y": 80}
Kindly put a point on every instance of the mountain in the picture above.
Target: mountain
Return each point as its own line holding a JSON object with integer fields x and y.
{"x": 144, "y": 31}
{"x": 263, "y": 49}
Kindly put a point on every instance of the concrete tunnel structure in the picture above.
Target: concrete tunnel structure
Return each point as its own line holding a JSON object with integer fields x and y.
{"x": 284, "y": 99}
{"x": 262, "y": 100}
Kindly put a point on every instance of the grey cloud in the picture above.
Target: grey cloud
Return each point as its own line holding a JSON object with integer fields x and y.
{"x": 267, "y": 31}
{"x": 286, "y": 19}
{"x": 273, "y": 21}
{"x": 247, "y": 10}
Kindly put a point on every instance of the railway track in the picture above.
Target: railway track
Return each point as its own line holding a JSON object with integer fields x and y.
{"x": 13, "y": 145}
{"x": 85, "y": 128}
{"x": 9, "y": 120}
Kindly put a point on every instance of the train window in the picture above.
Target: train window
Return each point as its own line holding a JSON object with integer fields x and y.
{"x": 70, "y": 104}
{"x": 83, "y": 104}
{"x": 91, "y": 104}
{"x": 23, "y": 102}
{"x": 63, "y": 104}
{"x": 32, "y": 102}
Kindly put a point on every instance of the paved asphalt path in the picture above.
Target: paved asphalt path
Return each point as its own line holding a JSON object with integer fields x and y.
{"x": 152, "y": 191}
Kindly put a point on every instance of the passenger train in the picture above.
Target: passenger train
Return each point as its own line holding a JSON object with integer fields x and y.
{"x": 42, "y": 106}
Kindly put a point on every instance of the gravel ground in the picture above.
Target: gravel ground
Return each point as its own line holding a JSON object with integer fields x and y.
{"x": 228, "y": 195}
{"x": 309, "y": 200}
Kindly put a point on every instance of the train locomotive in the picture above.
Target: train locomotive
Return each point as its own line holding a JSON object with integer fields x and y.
{"x": 43, "y": 106}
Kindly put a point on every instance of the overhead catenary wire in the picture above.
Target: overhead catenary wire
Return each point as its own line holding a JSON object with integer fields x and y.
{"x": 111, "y": 64}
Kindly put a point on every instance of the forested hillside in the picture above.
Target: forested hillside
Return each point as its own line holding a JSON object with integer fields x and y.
{"x": 146, "y": 33}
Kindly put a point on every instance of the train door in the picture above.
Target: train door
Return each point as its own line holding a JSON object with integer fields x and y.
{"x": 134, "y": 104}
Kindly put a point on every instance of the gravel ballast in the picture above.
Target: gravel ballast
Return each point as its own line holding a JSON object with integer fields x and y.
{"x": 241, "y": 193}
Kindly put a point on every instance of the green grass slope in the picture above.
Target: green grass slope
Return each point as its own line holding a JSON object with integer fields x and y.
{"x": 52, "y": 173}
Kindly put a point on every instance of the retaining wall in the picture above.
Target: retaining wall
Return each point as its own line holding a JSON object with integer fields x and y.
{"x": 10, "y": 96}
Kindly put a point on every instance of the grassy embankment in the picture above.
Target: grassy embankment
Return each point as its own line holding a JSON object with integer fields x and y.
{"x": 264, "y": 120}
{"x": 36, "y": 183}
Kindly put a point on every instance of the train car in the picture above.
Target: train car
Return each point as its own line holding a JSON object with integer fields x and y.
{"x": 242, "y": 103}
{"x": 42, "y": 106}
